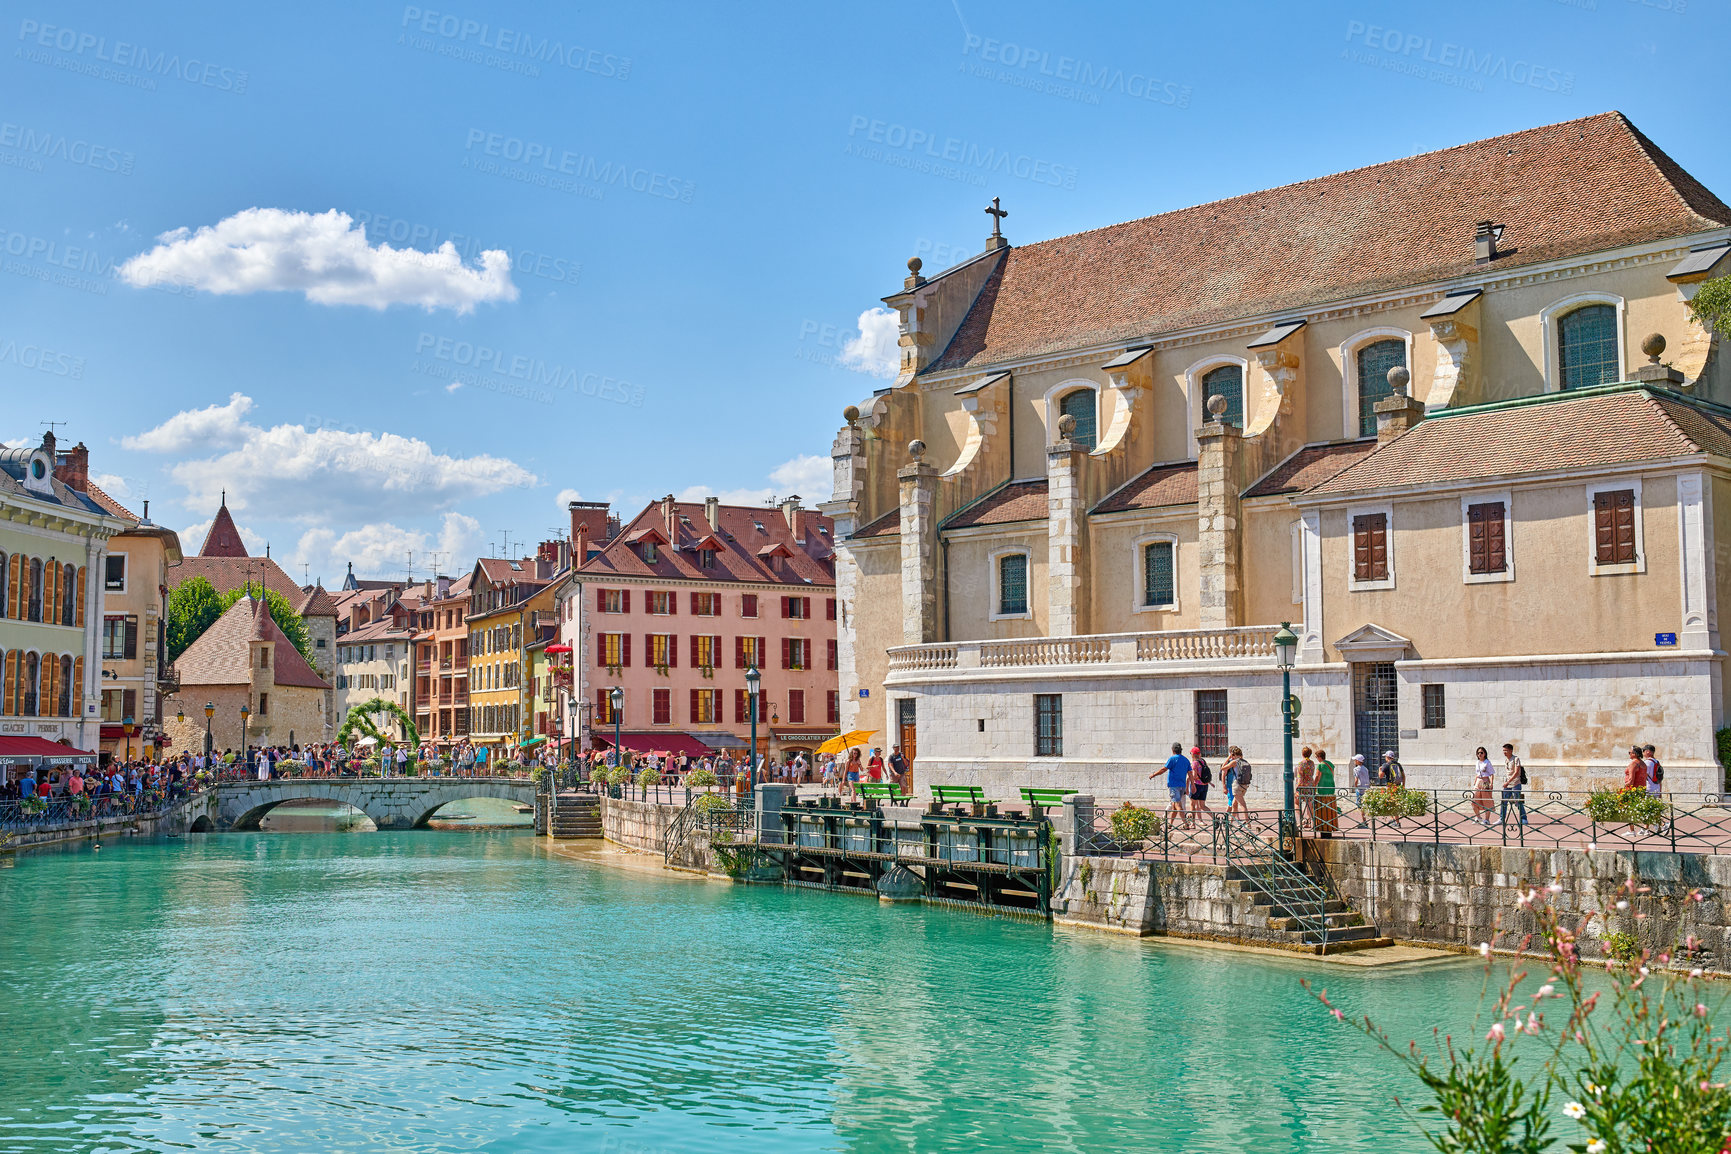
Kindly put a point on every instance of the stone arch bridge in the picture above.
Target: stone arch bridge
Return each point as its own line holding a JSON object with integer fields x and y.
{"x": 392, "y": 803}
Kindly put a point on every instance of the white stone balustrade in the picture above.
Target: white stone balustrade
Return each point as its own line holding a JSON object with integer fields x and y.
{"x": 1249, "y": 642}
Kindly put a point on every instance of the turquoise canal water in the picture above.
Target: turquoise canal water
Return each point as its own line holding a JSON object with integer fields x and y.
{"x": 472, "y": 991}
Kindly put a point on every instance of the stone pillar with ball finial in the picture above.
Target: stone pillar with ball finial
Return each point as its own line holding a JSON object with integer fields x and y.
{"x": 919, "y": 535}
{"x": 1219, "y": 519}
{"x": 1400, "y": 410}
{"x": 1654, "y": 373}
{"x": 1067, "y": 535}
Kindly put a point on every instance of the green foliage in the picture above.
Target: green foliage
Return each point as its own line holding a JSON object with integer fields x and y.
{"x": 1635, "y": 806}
{"x": 1132, "y": 824}
{"x": 710, "y": 803}
{"x": 1711, "y": 304}
{"x": 1396, "y": 801}
{"x": 360, "y": 723}
{"x": 648, "y": 777}
{"x": 1624, "y": 947}
{"x": 193, "y": 606}
{"x": 1722, "y": 740}
{"x": 700, "y": 778}
{"x": 282, "y": 613}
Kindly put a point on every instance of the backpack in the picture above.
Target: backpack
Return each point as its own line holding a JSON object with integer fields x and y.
{"x": 1243, "y": 773}
{"x": 1523, "y": 778}
{"x": 1658, "y": 773}
{"x": 1203, "y": 773}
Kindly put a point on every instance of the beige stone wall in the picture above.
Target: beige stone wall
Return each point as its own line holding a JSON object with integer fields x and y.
{"x": 1117, "y": 579}
{"x": 973, "y": 581}
{"x": 1269, "y": 580}
{"x": 292, "y": 708}
{"x": 1553, "y": 606}
{"x": 877, "y": 623}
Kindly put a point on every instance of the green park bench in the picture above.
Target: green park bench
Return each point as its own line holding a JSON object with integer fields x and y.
{"x": 883, "y": 791}
{"x": 1045, "y": 798}
{"x": 960, "y": 795}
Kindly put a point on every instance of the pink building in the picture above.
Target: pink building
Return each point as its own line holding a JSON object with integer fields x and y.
{"x": 679, "y": 603}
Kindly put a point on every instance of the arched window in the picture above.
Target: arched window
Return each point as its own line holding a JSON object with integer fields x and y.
{"x": 1226, "y": 381}
{"x": 68, "y": 595}
{"x": 1081, "y": 405}
{"x": 21, "y": 600}
{"x": 35, "y": 588}
{"x": 1587, "y": 349}
{"x": 65, "y": 685}
{"x": 9, "y": 687}
{"x": 1374, "y": 362}
{"x": 50, "y": 683}
{"x": 32, "y": 674}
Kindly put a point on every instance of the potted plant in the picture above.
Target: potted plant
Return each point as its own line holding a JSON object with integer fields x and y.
{"x": 1633, "y": 806}
{"x": 700, "y": 778}
{"x": 1134, "y": 824}
{"x": 1395, "y": 801}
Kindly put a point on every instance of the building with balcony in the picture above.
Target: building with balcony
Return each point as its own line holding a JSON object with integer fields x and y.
{"x": 442, "y": 660}
{"x": 375, "y": 645}
{"x": 510, "y": 609}
{"x": 681, "y": 602}
{"x": 1450, "y": 415}
{"x": 136, "y": 672}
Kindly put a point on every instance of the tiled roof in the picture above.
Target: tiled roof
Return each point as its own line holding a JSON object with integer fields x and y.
{"x": 316, "y": 603}
{"x": 220, "y": 656}
{"x": 108, "y": 504}
{"x": 744, "y": 529}
{"x": 14, "y": 462}
{"x": 1171, "y": 484}
{"x": 1311, "y": 465}
{"x": 223, "y": 540}
{"x": 889, "y": 525}
{"x": 1565, "y": 189}
{"x": 227, "y": 573}
{"x": 1016, "y": 501}
{"x": 1618, "y": 425}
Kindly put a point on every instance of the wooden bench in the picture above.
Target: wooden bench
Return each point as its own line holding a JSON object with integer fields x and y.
{"x": 883, "y": 791}
{"x": 960, "y": 795}
{"x": 1045, "y": 798}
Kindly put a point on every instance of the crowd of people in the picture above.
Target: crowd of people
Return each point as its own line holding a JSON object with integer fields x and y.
{"x": 126, "y": 786}
{"x": 843, "y": 772}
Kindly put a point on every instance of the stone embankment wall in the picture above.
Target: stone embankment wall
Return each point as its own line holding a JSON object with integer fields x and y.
{"x": 1463, "y": 895}
{"x": 1171, "y": 899}
{"x": 642, "y": 825}
{"x": 175, "y": 821}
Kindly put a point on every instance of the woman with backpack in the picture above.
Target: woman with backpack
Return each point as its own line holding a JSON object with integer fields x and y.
{"x": 1239, "y": 775}
{"x": 1201, "y": 777}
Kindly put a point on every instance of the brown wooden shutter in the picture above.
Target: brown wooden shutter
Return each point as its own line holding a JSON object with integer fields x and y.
{"x": 694, "y": 654}
{"x": 601, "y": 651}
{"x": 805, "y": 608}
{"x": 625, "y": 600}
{"x": 739, "y": 653}
{"x": 131, "y": 651}
{"x": 600, "y": 600}
{"x": 50, "y": 593}
{"x": 1485, "y": 537}
{"x": 694, "y": 609}
{"x": 129, "y": 704}
{"x": 672, "y": 603}
{"x": 8, "y": 691}
{"x": 81, "y": 597}
{"x": 1370, "y": 547}
{"x": 834, "y": 660}
{"x": 625, "y": 650}
{"x": 673, "y": 650}
{"x": 830, "y": 609}
{"x": 12, "y": 586}
{"x": 1614, "y": 526}
{"x": 786, "y": 652}
{"x": 78, "y": 686}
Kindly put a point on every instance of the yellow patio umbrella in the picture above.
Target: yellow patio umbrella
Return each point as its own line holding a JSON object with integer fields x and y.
{"x": 844, "y": 741}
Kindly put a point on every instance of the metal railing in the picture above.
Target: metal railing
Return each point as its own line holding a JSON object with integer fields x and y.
{"x": 1522, "y": 818}
{"x": 26, "y": 815}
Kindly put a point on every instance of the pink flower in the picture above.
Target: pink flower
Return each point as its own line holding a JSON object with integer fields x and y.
{"x": 1555, "y": 887}
{"x": 1700, "y": 1010}
{"x": 1496, "y": 1034}
{"x": 1338, "y": 1016}
{"x": 1484, "y": 949}
{"x": 1545, "y": 991}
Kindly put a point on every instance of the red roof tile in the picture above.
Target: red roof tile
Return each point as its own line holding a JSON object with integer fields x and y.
{"x": 221, "y": 655}
{"x": 1621, "y": 426}
{"x": 223, "y": 540}
{"x": 316, "y": 603}
{"x": 745, "y": 530}
{"x": 889, "y": 525}
{"x": 1578, "y": 187}
{"x": 108, "y": 504}
{"x": 1016, "y": 501}
{"x": 1171, "y": 484}
{"x": 1311, "y": 465}
{"x": 227, "y": 573}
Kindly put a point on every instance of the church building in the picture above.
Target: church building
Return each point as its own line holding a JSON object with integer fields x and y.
{"x": 1449, "y": 415}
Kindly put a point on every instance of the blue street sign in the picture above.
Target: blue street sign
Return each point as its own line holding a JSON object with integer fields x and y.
{"x": 1664, "y": 639}
{"x": 865, "y": 693}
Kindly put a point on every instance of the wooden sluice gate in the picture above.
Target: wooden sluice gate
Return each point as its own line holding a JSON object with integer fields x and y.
{"x": 954, "y": 854}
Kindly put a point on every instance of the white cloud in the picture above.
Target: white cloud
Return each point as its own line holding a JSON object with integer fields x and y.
{"x": 874, "y": 350}
{"x": 564, "y": 499}
{"x": 382, "y": 550}
{"x": 212, "y": 427}
{"x": 114, "y": 485}
{"x": 319, "y": 476}
{"x": 323, "y": 255}
{"x": 812, "y": 478}
{"x": 453, "y": 386}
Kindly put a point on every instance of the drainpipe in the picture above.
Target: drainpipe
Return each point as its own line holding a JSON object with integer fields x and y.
{"x": 944, "y": 579}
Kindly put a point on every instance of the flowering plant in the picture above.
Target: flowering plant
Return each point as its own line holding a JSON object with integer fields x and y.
{"x": 1638, "y": 1062}
{"x": 1395, "y": 801}
{"x": 1132, "y": 824}
{"x": 1636, "y": 806}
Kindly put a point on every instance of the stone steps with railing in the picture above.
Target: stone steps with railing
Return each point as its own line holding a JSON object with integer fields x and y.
{"x": 576, "y": 815}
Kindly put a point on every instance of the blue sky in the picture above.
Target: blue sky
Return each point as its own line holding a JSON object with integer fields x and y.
{"x": 696, "y": 204}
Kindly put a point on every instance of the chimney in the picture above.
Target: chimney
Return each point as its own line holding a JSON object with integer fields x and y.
{"x": 670, "y": 520}
{"x": 1485, "y": 242}
{"x": 444, "y": 588}
{"x": 712, "y": 512}
{"x": 795, "y": 520}
{"x": 1400, "y": 411}
{"x": 72, "y": 467}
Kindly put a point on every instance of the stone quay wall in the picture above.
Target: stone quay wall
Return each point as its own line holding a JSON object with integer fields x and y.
{"x": 642, "y": 826}
{"x": 177, "y": 819}
{"x": 1459, "y": 896}
{"x": 1153, "y": 898}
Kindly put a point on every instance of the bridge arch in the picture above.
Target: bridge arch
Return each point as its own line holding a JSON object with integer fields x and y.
{"x": 391, "y": 803}
{"x": 461, "y": 790}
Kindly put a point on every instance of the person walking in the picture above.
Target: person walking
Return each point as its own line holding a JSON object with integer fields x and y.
{"x": 1241, "y": 779}
{"x": 1655, "y": 771}
{"x": 1482, "y": 776}
{"x": 1514, "y": 785}
{"x": 1635, "y": 776}
{"x": 1327, "y": 813}
{"x": 1177, "y": 778}
{"x": 1201, "y": 777}
{"x": 1360, "y": 778}
{"x": 899, "y": 770}
{"x": 1304, "y": 777}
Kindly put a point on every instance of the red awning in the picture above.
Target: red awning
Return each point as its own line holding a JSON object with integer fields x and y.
{"x": 558, "y": 649}
{"x": 664, "y": 743}
{"x": 40, "y": 747}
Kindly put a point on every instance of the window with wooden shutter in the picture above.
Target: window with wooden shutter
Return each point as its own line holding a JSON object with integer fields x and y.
{"x": 739, "y": 653}
{"x": 1370, "y": 547}
{"x": 80, "y": 621}
{"x": 829, "y": 609}
{"x": 748, "y": 605}
{"x": 132, "y": 638}
{"x": 835, "y": 706}
{"x": 739, "y": 707}
{"x": 1614, "y": 526}
{"x": 796, "y": 706}
{"x": 786, "y": 652}
{"x": 1485, "y": 548}
{"x": 834, "y": 655}
{"x": 662, "y": 700}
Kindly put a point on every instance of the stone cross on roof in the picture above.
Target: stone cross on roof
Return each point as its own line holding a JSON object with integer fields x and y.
{"x": 997, "y": 214}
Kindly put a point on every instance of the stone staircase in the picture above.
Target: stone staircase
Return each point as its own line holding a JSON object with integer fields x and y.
{"x": 576, "y": 815}
{"x": 1300, "y": 912}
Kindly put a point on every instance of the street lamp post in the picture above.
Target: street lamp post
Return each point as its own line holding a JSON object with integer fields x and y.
{"x": 616, "y": 698}
{"x": 1285, "y": 644}
{"x": 127, "y": 724}
{"x": 753, "y": 680}
{"x": 245, "y": 712}
{"x": 209, "y": 744}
